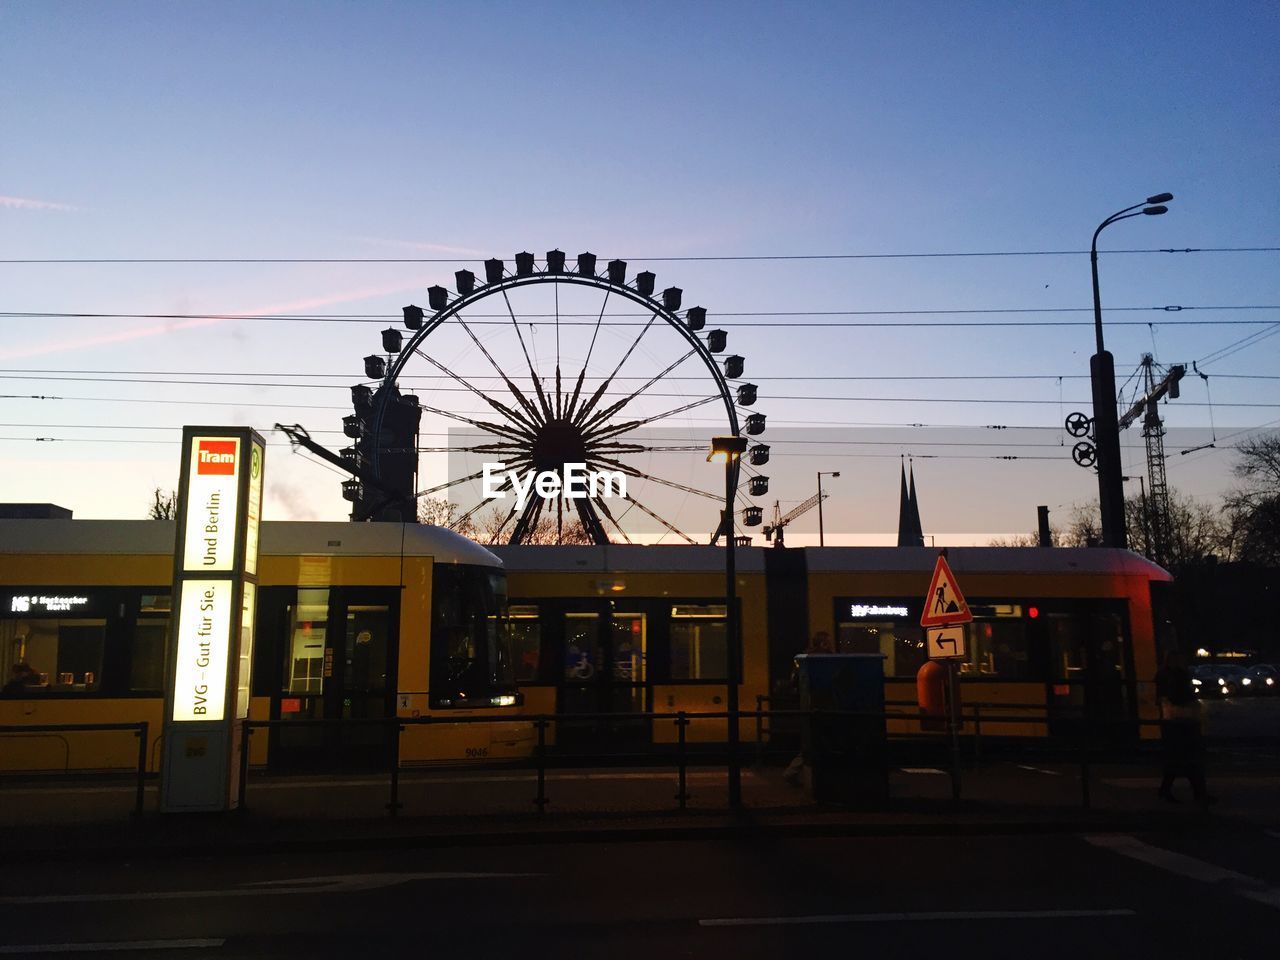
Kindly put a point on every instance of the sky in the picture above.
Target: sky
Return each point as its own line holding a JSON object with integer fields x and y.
{"x": 676, "y": 136}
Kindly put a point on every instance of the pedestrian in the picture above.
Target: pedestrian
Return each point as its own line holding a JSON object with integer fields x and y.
{"x": 821, "y": 643}
{"x": 1181, "y": 733}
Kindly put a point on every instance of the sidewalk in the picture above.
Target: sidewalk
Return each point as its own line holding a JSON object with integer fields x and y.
{"x": 92, "y": 818}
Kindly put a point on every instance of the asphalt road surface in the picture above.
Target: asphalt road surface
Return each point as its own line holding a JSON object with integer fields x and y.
{"x": 1209, "y": 893}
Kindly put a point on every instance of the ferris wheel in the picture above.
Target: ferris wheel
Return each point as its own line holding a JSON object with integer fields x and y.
{"x": 561, "y": 404}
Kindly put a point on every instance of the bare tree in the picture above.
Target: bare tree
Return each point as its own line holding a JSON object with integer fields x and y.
{"x": 1026, "y": 539}
{"x": 440, "y": 512}
{"x": 164, "y": 505}
{"x": 1254, "y": 510}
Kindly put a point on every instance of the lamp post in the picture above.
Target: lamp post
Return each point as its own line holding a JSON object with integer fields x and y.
{"x": 729, "y": 450}
{"x": 1102, "y": 374}
{"x": 823, "y": 473}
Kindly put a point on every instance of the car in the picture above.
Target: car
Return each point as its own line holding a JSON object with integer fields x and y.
{"x": 1262, "y": 680}
{"x": 1204, "y": 680}
{"x": 1234, "y": 680}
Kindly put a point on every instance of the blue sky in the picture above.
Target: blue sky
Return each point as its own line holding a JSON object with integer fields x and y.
{"x": 647, "y": 131}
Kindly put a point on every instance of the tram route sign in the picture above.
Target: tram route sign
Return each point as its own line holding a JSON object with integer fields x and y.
{"x": 944, "y": 604}
{"x": 215, "y": 589}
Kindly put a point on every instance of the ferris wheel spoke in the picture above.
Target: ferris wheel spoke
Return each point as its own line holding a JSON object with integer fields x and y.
{"x": 619, "y": 448}
{"x": 450, "y": 483}
{"x": 606, "y": 433}
{"x": 466, "y": 517}
{"x": 528, "y": 521}
{"x": 680, "y": 533}
{"x": 496, "y": 535}
{"x": 598, "y": 461}
{"x": 614, "y": 408}
{"x": 516, "y": 392}
{"x": 500, "y": 407}
{"x": 577, "y": 390}
{"x": 604, "y": 508}
{"x": 494, "y": 428}
{"x": 591, "y": 521}
{"x": 595, "y": 397}
{"x": 533, "y": 374}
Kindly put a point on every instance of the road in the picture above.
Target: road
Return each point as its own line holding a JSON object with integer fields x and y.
{"x": 1207, "y": 893}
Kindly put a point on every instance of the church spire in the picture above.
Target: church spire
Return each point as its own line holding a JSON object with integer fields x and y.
{"x": 917, "y": 529}
{"x": 905, "y": 534}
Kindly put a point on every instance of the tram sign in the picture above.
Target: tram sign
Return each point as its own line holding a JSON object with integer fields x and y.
{"x": 215, "y": 588}
{"x": 944, "y": 603}
{"x": 945, "y": 643}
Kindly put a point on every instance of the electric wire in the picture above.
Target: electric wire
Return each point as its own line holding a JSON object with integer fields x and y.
{"x": 741, "y": 258}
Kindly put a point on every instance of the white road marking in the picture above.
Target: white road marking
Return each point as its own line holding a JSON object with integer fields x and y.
{"x": 911, "y": 917}
{"x": 1052, "y": 773}
{"x": 336, "y": 884}
{"x": 405, "y": 782}
{"x": 111, "y": 945}
{"x": 922, "y": 770}
{"x": 1185, "y": 866}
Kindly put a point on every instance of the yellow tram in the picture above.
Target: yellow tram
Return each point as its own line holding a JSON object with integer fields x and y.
{"x": 367, "y": 621}
{"x": 355, "y": 622}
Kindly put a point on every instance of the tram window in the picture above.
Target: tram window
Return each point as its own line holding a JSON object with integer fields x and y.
{"x": 67, "y": 654}
{"x": 526, "y": 642}
{"x": 998, "y": 648}
{"x": 147, "y": 655}
{"x": 150, "y": 644}
{"x": 901, "y": 644}
{"x": 698, "y": 650}
{"x": 305, "y": 654}
{"x": 1067, "y": 646}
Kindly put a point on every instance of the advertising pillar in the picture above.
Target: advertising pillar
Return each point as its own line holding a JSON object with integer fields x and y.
{"x": 215, "y": 589}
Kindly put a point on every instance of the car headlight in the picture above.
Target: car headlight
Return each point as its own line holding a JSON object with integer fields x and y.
{"x": 1271, "y": 681}
{"x": 1246, "y": 681}
{"x": 1222, "y": 682}
{"x": 1195, "y": 682}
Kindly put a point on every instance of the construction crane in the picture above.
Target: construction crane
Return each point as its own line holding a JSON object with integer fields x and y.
{"x": 1158, "y": 518}
{"x": 780, "y": 522}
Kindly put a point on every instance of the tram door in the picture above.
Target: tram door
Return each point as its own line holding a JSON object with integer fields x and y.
{"x": 337, "y": 665}
{"x": 1090, "y": 674}
{"x": 604, "y": 672}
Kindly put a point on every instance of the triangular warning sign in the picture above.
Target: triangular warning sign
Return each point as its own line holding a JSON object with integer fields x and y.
{"x": 944, "y": 603}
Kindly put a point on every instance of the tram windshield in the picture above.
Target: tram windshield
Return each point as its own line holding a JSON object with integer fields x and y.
{"x": 471, "y": 658}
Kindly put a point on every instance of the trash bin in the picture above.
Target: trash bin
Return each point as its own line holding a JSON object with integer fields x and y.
{"x": 848, "y": 756}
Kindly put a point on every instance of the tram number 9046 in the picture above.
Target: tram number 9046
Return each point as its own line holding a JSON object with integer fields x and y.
{"x": 476, "y": 753}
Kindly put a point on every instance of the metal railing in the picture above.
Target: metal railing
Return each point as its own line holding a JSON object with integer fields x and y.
{"x": 1080, "y": 748}
{"x": 139, "y": 729}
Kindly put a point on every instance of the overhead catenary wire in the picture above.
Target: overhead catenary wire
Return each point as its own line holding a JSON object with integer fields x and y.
{"x": 709, "y": 258}
{"x": 744, "y": 321}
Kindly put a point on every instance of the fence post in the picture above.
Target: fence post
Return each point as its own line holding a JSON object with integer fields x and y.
{"x": 140, "y": 800}
{"x": 977, "y": 731}
{"x": 760, "y": 698}
{"x": 541, "y": 799}
{"x": 953, "y": 717}
{"x": 393, "y": 808}
{"x": 242, "y": 787}
{"x": 1085, "y": 799}
{"x": 681, "y": 722}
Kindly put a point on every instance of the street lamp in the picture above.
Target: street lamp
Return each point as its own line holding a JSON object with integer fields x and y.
{"x": 1102, "y": 373}
{"x": 821, "y": 474}
{"x": 729, "y": 450}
